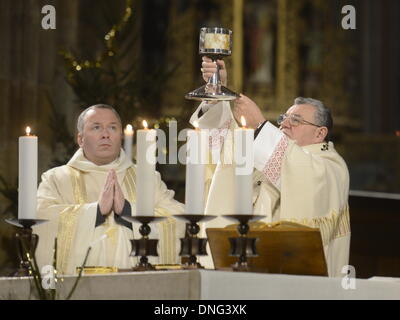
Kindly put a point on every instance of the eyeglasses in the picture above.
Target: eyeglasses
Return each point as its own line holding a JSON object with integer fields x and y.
{"x": 294, "y": 120}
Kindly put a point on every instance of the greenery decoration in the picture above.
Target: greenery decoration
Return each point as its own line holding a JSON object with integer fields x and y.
{"x": 34, "y": 271}
{"x": 116, "y": 76}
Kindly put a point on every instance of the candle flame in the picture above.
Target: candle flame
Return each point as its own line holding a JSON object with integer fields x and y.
{"x": 28, "y": 131}
{"x": 195, "y": 124}
{"x": 145, "y": 125}
{"x": 129, "y": 128}
{"x": 243, "y": 121}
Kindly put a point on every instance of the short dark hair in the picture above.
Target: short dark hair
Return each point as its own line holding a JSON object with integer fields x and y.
{"x": 81, "y": 119}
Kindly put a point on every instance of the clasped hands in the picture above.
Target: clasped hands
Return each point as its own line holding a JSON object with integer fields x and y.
{"x": 243, "y": 106}
{"x": 111, "y": 197}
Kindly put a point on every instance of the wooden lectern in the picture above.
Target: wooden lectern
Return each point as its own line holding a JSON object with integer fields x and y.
{"x": 282, "y": 247}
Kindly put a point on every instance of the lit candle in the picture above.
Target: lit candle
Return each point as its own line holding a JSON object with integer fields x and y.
{"x": 244, "y": 164}
{"x": 145, "y": 170}
{"x": 27, "y": 175}
{"x": 128, "y": 139}
{"x": 196, "y": 157}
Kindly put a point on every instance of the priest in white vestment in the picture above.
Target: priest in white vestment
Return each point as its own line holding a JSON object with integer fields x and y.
{"x": 85, "y": 199}
{"x": 298, "y": 174}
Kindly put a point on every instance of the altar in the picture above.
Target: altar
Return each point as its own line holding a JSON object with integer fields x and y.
{"x": 207, "y": 285}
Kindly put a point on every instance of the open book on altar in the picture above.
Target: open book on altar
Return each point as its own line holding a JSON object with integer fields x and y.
{"x": 283, "y": 247}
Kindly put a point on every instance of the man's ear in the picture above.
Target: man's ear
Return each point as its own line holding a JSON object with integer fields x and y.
{"x": 79, "y": 139}
{"x": 321, "y": 134}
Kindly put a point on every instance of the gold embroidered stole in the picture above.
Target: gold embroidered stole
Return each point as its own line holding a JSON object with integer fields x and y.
{"x": 331, "y": 227}
{"x": 69, "y": 216}
{"x": 68, "y": 220}
{"x": 335, "y": 225}
{"x": 167, "y": 240}
{"x": 129, "y": 184}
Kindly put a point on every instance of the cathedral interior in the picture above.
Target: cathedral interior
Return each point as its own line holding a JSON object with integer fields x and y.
{"x": 141, "y": 56}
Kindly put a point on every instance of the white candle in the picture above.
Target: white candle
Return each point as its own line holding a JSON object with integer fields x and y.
{"x": 27, "y": 175}
{"x": 244, "y": 164}
{"x": 196, "y": 158}
{"x": 128, "y": 139}
{"x": 145, "y": 170}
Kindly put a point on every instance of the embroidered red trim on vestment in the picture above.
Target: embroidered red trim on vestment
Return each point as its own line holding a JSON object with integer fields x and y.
{"x": 272, "y": 169}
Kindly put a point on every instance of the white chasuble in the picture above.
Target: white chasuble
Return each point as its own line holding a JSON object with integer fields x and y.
{"x": 68, "y": 198}
{"x": 307, "y": 185}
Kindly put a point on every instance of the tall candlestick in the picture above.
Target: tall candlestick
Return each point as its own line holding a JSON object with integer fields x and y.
{"x": 27, "y": 175}
{"x": 128, "y": 139}
{"x": 145, "y": 170}
{"x": 197, "y": 144}
{"x": 244, "y": 164}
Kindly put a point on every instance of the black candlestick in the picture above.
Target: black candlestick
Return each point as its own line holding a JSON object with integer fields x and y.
{"x": 191, "y": 245}
{"x": 243, "y": 246}
{"x": 144, "y": 247}
{"x": 26, "y": 242}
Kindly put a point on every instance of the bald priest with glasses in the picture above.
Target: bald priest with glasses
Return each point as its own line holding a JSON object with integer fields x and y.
{"x": 298, "y": 175}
